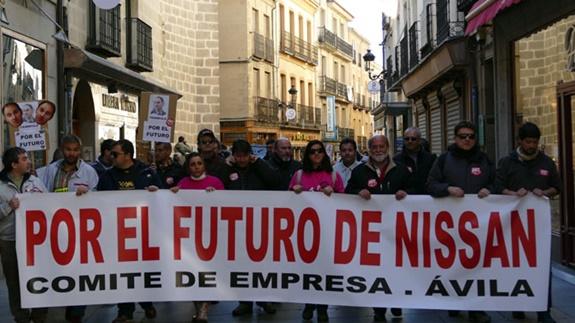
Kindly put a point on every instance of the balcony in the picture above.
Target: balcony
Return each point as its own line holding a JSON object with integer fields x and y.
{"x": 298, "y": 48}
{"x": 307, "y": 117}
{"x": 404, "y": 63}
{"x": 413, "y": 49}
{"x": 327, "y": 86}
{"x": 263, "y": 48}
{"x": 266, "y": 110}
{"x": 334, "y": 42}
{"x": 447, "y": 29}
{"x": 139, "y": 46}
{"x": 104, "y": 31}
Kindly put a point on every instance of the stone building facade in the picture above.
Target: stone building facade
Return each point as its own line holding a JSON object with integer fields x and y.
{"x": 157, "y": 46}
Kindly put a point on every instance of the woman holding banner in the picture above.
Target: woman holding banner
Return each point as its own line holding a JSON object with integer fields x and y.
{"x": 197, "y": 179}
{"x": 316, "y": 175}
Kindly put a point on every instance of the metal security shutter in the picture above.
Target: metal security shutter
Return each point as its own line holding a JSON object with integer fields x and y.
{"x": 435, "y": 131}
{"x": 421, "y": 118}
{"x": 452, "y": 108}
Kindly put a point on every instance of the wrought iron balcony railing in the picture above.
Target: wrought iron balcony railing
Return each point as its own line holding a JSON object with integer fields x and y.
{"x": 299, "y": 48}
{"x": 413, "y": 46}
{"x": 306, "y": 117}
{"x": 263, "y": 48}
{"x": 447, "y": 29}
{"x": 327, "y": 85}
{"x": 139, "y": 46}
{"x": 335, "y": 42}
{"x": 104, "y": 31}
{"x": 266, "y": 110}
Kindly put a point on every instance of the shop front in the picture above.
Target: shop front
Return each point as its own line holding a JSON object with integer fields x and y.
{"x": 535, "y": 81}
{"x": 299, "y": 139}
{"x": 106, "y": 100}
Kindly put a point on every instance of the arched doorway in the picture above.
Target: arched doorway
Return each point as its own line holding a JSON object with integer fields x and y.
{"x": 84, "y": 119}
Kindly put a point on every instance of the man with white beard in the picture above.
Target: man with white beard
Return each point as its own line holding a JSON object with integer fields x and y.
{"x": 379, "y": 175}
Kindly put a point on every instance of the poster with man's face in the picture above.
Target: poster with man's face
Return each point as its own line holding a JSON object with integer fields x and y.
{"x": 27, "y": 122}
{"x": 157, "y": 117}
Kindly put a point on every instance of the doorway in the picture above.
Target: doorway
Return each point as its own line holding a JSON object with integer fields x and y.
{"x": 565, "y": 123}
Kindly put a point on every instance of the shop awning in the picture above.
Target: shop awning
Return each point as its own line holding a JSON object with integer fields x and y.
{"x": 97, "y": 69}
{"x": 483, "y": 11}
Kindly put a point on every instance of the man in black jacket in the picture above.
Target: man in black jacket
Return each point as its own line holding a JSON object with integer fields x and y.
{"x": 379, "y": 175}
{"x": 104, "y": 161}
{"x": 129, "y": 174}
{"x": 248, "y": 172}
{"x": 170, "y": 172}
{"x": 416, "y": 159}
{"x": 528, "y": 170}
{"x": 283, "y": 164}
{"x": 463, "y": 169}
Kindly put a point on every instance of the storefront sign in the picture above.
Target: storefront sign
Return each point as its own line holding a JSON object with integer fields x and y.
{"x": 112, "y": 102}
{"x": 448, "y": 253}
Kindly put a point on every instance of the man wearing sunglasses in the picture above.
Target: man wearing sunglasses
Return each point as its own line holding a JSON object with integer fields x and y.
{"x": 129, "y": 174}
{"x": 416, "y": 159}
{"x": 463, "y": 169}
{"x": 209, "y": 147}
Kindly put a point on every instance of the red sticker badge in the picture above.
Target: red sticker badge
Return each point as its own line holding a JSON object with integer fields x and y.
{"x": 476, "y": 171}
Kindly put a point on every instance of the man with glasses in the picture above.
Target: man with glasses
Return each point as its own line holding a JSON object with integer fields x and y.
{"x": 463, "y": 169}
{"x": 129, "y": 174}
{"x": 209, "y": 147}
{"x": 416, "y": 159}
{"x": 379, "y": 175}
{"x": 283, "y": 164}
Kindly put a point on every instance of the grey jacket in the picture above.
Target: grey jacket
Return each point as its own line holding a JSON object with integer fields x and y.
{"x": 7, "y": 191}
{"x": 84, "y": 176}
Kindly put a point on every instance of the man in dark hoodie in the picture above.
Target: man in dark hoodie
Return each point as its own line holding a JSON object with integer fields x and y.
{"x": 104, "y": 161}
{"x": 283, "y": 164}
{"x": 463, "y": 169}
{"x": 129, "y": 174}
{"x": 528, "y": 170}
{"x": 416, "y": 159}
{"x": 247, "y": 172}
{"x": 169, "y": 171}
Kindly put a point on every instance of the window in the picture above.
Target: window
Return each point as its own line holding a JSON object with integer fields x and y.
{"x": 267, "y": 26}
{"x": 268, "y": 85}
{"x": 310, "y": 94}
{"x": 256, "y": 86}
{"x": 302, "y": 92}
{"x": 23, "y": 75}
{"x": 255, "y": 21}
{"x": 282, "y": 18}
{"x": 300, "y": 27}
{"x": 283, "y": 88}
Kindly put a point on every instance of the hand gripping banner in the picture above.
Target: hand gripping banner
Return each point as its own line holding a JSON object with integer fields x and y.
{"x": 106, "y": 247}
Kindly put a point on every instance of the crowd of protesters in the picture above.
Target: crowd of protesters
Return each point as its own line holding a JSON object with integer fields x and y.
{"x": 463, "y": 169}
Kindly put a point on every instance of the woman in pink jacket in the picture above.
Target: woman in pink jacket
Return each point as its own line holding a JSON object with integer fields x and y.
{"x": 197, "y": 179}
{"x": 316, "y": 175}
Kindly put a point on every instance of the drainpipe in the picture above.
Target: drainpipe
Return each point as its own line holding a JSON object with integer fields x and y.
{"x": 64, "y": 82}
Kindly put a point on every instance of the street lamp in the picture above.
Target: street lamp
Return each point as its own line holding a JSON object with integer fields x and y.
{"x": 293, "y": 93}
{"x": 368, "y": 58}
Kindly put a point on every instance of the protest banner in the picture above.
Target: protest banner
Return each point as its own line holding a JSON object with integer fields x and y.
{"x": 107, "y": 247}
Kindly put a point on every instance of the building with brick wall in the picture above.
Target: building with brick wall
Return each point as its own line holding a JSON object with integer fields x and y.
{"x": 160, "y": 46}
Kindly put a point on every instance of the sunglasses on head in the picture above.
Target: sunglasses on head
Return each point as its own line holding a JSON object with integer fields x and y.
{"x": 410, "y": 138}
{"x": 316, "y": 151}
{"x": 466, "y": 136}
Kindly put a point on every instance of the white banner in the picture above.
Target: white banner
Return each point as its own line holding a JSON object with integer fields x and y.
{"x": 156, "y": 131}
{"x": 107, "y": 247}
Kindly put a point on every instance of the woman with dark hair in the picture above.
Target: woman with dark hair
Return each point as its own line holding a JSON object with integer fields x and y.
{"x": 198, "y": 179}
{"x": 316, "y": 175}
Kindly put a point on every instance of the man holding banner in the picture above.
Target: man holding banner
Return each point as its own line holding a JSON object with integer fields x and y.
{"x": 15, "y": 178}
{"x": 463, "y": 169}
{"x": 528, "y": 170}
{"x": 379, "y": 175}
{"x": 127, "y": 174}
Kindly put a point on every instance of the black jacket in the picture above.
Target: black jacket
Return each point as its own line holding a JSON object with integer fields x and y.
{"x": 365, "y": 176}
{"x": 284, "y": 171}
{"x": 136, "y": 177}
{"x": 258, "y": 176}
{"x": 173, "y": 170}
{"x": 218, "y": 168}
{"x": 514, "y": 174}
{"x": 471, "y": 171}
{"x": 419, "y": 171}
